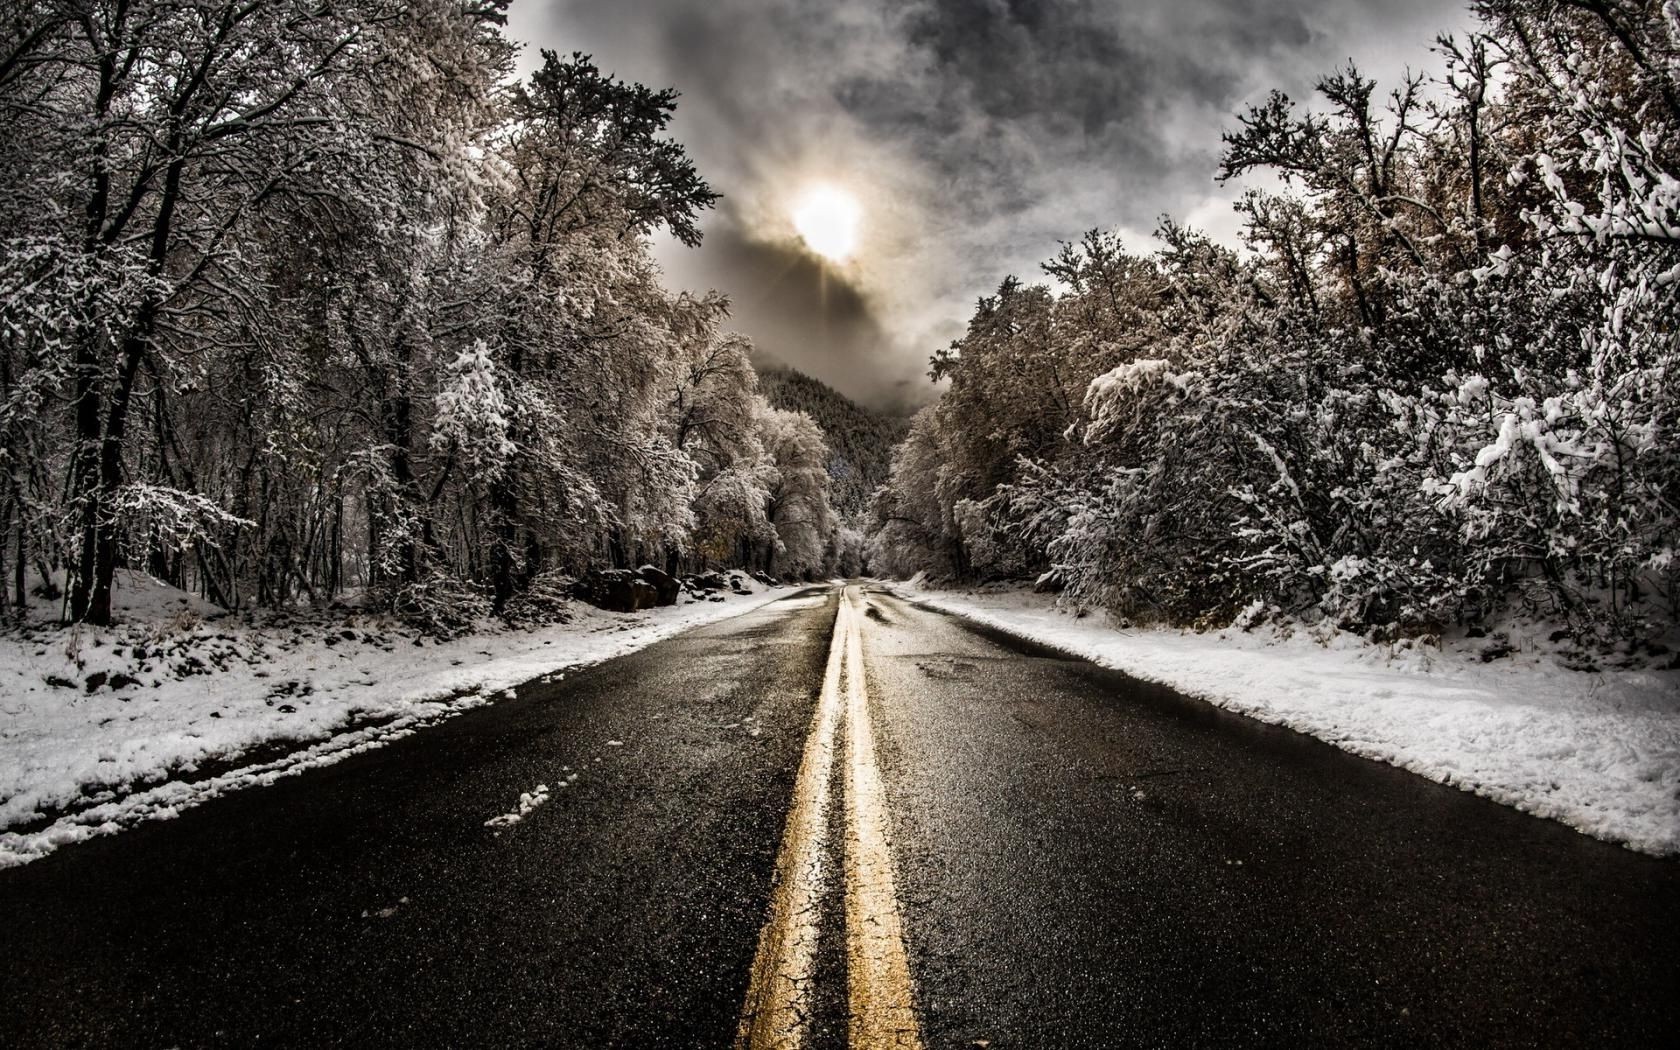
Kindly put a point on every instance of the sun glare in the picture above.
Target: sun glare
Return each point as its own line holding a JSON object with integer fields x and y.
{"x": 827, "y": 220}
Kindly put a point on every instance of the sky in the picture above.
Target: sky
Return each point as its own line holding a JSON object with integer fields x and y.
{"x": 974, "y": 135}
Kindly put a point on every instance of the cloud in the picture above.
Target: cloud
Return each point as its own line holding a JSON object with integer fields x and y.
{"x": 805, "y": 312}
{"x": 977, "y": 132}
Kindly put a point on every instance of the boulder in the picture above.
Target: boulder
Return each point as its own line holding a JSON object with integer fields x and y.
{"x": 764, "y": 578}
{"x": 705, "y": 581}
{"x": 738, "y": 584}
{"x": 616, "y": 590}
{"x": 666, "y": 587}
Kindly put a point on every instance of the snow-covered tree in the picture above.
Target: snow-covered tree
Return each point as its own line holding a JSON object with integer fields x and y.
{"x": 1440, "y": 383}
{"x": 799, "y": 498}
{"x": 298, "y": 299}
{"x": 160, "y": 144}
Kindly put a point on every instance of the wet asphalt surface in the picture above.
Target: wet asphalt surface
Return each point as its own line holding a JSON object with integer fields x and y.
{"x": 1082, "y": 860}
{"x": 1086, "y": 860}
{"x": 623, "y": 912}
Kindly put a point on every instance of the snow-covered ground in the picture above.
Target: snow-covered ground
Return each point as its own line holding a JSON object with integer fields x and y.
{"x": 1597, "y": 750}
{"x": 100, "y": 728}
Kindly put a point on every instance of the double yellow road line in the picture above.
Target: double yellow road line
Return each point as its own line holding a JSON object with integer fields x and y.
{"x": 881, "y": 1010}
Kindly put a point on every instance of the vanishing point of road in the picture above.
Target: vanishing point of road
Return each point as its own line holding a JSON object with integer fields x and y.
{"x": 845, "y": 820}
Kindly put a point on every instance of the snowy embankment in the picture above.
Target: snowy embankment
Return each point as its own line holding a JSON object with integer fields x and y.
{"x": 101, "y": 728}
{"x": 1596, "y": 750}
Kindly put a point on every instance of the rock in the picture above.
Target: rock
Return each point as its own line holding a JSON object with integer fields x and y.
{"x": 738, "y": 583}
{"x": 95, "y": 680}
{"x": 705, "y": 581}
{"x": 764, "y": 578}
{"x": 1497, "y": 651}
{"x": 666, "y": 587}
{"x": 616, "y": 590}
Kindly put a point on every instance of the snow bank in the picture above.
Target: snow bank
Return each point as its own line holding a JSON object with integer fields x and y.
{"x": 100, "y": 728}
{"x": 1599, "y": 751}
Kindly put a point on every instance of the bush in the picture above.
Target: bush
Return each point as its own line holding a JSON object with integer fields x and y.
{"x": 546, "y": 600}
{"x": 441, "y": 606}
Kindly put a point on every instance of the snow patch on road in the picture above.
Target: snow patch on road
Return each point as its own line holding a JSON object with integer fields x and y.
{"x": 102, "y": 728}
{"x": 387, "y": 911}
{"x": 1598, "y": 751}
{"x": 528, "y": 802}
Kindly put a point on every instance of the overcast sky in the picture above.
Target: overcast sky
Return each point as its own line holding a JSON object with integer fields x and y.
{"x": 976, "y": 134}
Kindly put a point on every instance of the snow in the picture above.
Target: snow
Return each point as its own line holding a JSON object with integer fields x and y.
{"x": 217, "y": 705}
{"x": 1598, "y": 751}
{"x": 528, "y": 802}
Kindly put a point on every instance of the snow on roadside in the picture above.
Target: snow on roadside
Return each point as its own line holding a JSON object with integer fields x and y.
{"x": 103, "y": 728}
{"x": 1598, "y": 751}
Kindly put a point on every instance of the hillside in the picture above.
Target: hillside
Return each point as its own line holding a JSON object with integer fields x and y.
{"x": 860, "y": 441}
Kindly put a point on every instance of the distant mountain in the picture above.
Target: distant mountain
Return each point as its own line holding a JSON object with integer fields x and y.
{"x": 860, "y": 441}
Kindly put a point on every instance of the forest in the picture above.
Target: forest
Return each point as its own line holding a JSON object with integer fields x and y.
{"x": 299, "y": 301}
{"x": 1438, "y": 384}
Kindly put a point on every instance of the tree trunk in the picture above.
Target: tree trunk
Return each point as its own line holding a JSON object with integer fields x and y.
{"x": 111, "y": 472}
{"x": 5, "y": 594}
{"x": 91, "y": 600}
{"x": 18, "y": 570}
{"x": 84, "y": 471}
{"x": 398, "y": 413}
{"x": 504, "y": 504}
{"x": 335, "y": 581}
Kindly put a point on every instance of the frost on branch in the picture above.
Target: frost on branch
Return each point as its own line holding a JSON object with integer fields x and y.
{"x": 154, "y": 517}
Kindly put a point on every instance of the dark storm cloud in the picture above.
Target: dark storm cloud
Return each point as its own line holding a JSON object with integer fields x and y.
{"x": 809, "y": 315}
{"x": 978, "y": 132}
{"x": 1076, "y": 76}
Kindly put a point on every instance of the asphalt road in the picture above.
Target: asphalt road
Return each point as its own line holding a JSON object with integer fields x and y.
{"x": 1072, "y": 859}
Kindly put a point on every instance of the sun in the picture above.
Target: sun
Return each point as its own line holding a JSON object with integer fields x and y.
{"x": 827, "y": 220}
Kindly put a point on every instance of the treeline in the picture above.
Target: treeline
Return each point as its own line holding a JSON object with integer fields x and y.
{"x": 299, "y": 298}
{"x": 1441, "y": 383}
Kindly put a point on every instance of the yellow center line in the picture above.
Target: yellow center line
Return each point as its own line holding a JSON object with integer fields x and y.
{"x": 777, "y": 1008}
{"x": 880, "y": 1002}
{"x": 883, "y": 1013}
